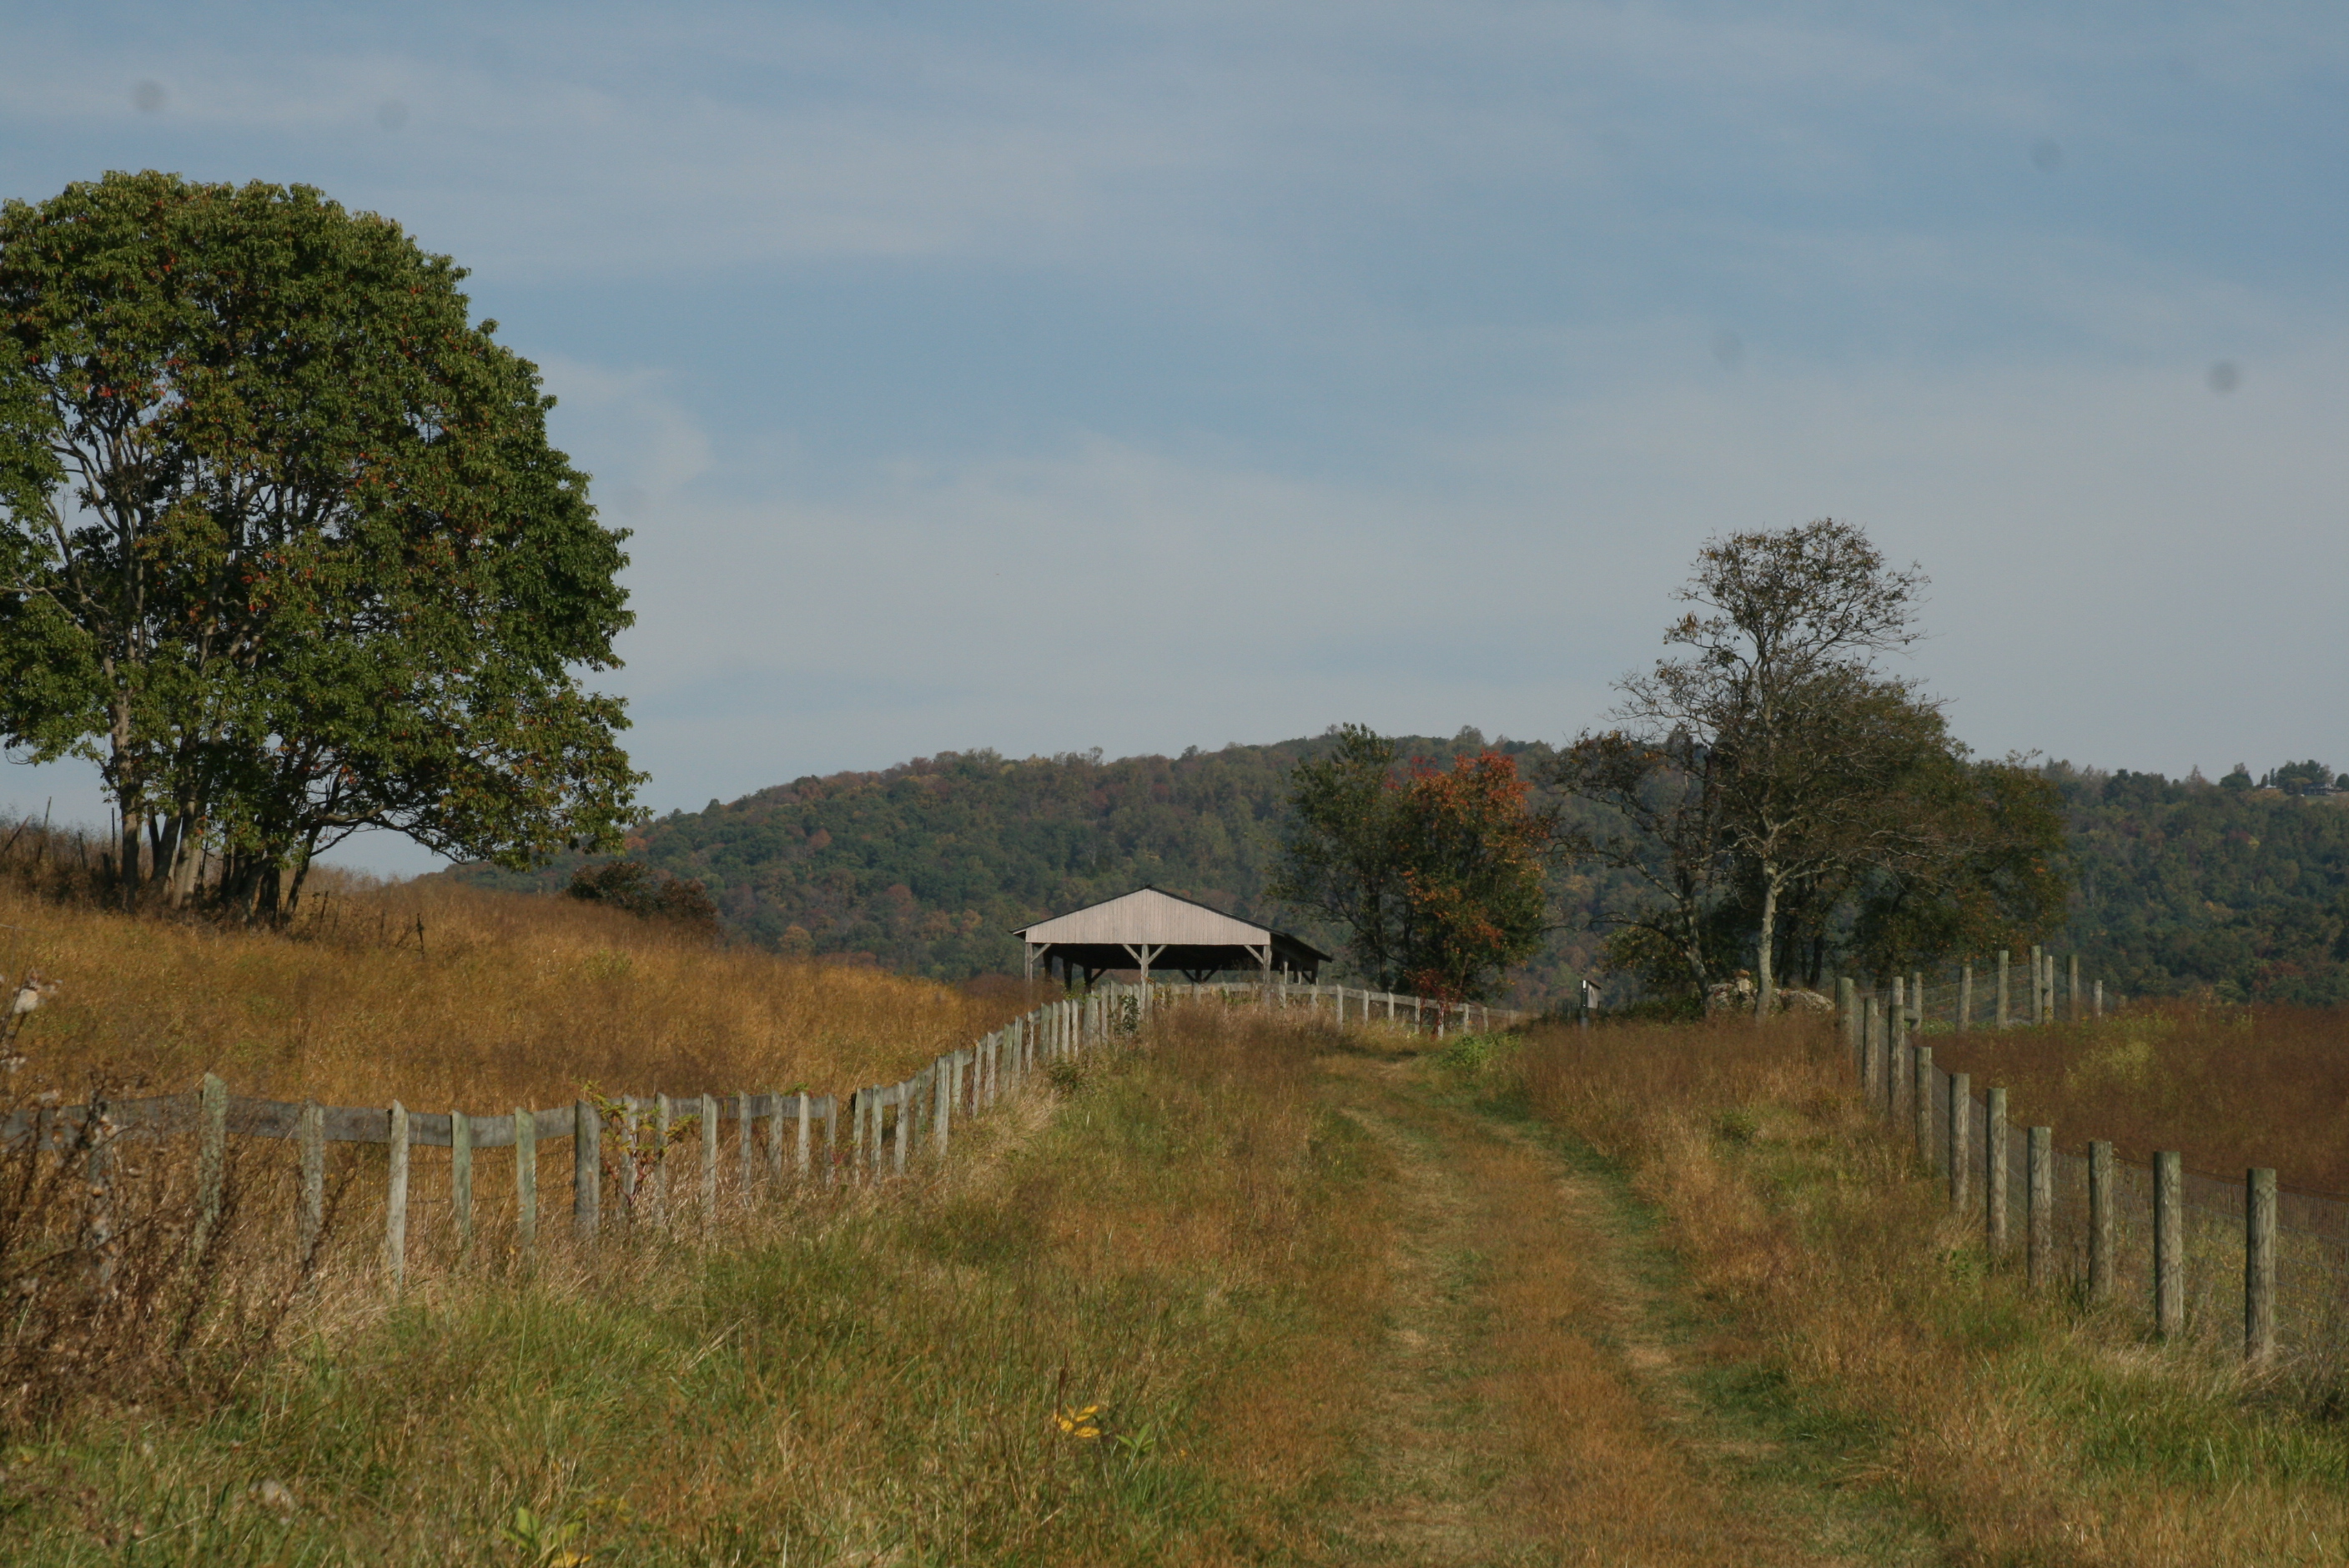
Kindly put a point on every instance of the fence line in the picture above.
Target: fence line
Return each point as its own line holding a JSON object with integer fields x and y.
{"x": 2168, "y": 1238}
{"x": 628, "y": 1144}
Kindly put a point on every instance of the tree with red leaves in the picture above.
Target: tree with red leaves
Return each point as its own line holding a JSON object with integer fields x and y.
{"x": 1435, "y": 872}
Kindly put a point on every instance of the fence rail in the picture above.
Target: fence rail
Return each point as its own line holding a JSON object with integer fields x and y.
{"x": 886, "y": 1122}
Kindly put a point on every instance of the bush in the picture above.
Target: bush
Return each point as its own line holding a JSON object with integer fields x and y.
{"x": 646, "y": 893}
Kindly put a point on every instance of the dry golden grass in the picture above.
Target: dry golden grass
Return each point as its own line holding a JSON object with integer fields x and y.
{"x": 2029, "y": 1429}
{"x": 2228, "y": 1087}
{"x": 442, "y": 995}
{"x": 1173, "y": 1234}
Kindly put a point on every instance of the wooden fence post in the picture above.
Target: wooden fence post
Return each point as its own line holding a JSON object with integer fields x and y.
{"x": 664, "y": 1115}
{"x": 310, "y": 1202}
{"x": 745, "y": 1167}
{"x": 1871, "y": 1026}
{"x": 460, "y": 1179}
{"x": 2099, "y": 999}
{"x": 1994, "y": 1213}
{"x": 211, "y": 1159}
{"x": 2038, "y": 983}
{"x": 942, "y": 1095}
{"x": 1962, "y": 1127}
{"x": 907, "y": 1095}
{"x": 525, "y": 1142}
{"x": 831, "y": 1139}
{"x": 2004, "y": 956}
{"x": 395, "y": 1203}
{"x": 2100, "y": 1220}
{"x": 631, "y": 1117}
{"x": 98, "y": 1154}
{"x": 2259, "y": 1266}
{"x": 1965, "y": 996}
{"x": 774, "y": 1138}
{"x": 708, "y": 1159}
{"x": 587, "y": 1170}
{"x": 858, "y": 1109}
{"x": 1925, "y": 1106}
{"x": 803, "y": 1135}
{"x": 2039, "y": 1218}
{"x": 2168, "y": 1245}
{"x": 2079, "y": 1012}
{"x": 1899, "y": 1011}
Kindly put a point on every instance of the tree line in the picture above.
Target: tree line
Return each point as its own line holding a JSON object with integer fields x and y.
{"x": 1781, "y": 802}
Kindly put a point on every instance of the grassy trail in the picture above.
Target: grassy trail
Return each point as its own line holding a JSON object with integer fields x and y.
{"x": 1544, "y": 1394}
{"x": 1256, "y": 1293}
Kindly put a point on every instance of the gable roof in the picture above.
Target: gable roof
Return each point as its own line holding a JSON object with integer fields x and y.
{"x": 1149, "y": 915}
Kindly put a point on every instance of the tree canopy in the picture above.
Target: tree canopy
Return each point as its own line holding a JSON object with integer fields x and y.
{"x": 1781, "y": 799}
{"x": 1434, "y": 874}
{"x": 284, "y": 547}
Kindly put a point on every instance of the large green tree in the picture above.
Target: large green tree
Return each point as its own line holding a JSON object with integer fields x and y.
{"x": 284, "y": 547}
{"x": 1781, "y": 796}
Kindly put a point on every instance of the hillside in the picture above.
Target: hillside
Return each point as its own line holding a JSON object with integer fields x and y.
{"x": 2184, "y": 884}
{"x": 928, "y": 867}
{"x": 925, "y": 868}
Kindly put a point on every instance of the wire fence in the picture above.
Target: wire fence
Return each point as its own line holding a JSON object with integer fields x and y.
{"x": 2237, "y": 1264}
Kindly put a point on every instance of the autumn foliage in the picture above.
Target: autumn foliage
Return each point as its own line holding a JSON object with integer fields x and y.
{"x": 1435, "y": 872}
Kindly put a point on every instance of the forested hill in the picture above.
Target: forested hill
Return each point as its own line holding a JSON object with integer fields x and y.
{"x": 2187, "y": 884}
{"x": 925, "y": 868}
{"x": 928, "y": 867}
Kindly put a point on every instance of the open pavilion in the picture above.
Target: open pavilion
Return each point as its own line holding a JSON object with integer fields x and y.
{"x": 1148, "y": 929}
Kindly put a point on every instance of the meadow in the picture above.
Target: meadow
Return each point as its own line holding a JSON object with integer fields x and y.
{"x": 2028, "y": 1428}
{"x": 443, "y": 995}
{"x": 2226, "y": 1085}
{"x": 1251, "y": 1290}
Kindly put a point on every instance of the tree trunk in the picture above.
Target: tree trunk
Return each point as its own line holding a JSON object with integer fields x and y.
{"x": 1766, "y": 985}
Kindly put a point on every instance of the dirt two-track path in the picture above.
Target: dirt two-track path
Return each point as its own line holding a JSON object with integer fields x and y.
{"x": 1545, "y": 1395}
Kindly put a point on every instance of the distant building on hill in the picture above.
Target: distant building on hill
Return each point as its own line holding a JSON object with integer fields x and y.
{"x": 1147, "y": 929}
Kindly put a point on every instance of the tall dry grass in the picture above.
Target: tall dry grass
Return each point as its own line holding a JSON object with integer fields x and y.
{"x": 2030, "y": 1429}
{"x": 2228, "y": 1087}
{"x": 1175, "y": 1235}
{"x": 442, "y": 995}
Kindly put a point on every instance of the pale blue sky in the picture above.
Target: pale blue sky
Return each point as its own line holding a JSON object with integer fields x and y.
{"x": 1051, "y": 376}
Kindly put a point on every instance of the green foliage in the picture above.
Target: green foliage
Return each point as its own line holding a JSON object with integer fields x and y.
{"x": 283, "y": 546}
{"x": 2185, "y": 886}
{"x": 927, "y": 868}
{"x": 1342, "y": 851}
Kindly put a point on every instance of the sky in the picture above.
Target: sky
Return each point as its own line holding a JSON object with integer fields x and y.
{"x": 1049, "y": 376}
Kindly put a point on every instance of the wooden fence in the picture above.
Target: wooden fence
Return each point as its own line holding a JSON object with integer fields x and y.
{"x": 625, "y": 1149}
{"x": 2174, "y": 1240}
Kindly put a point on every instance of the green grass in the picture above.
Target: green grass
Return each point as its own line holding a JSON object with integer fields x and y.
{"x": 871, "y": 1381}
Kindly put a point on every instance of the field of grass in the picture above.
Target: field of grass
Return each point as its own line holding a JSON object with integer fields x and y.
{"x": 1176, "y": 1262}
{"x": 2026, "y": 1429}
{"x": 448, "y": 997}
{"x": 1251, "y": 1291}
{"x": 2227, "y": 1085}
